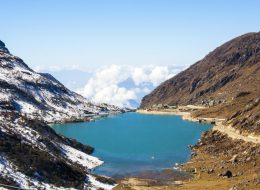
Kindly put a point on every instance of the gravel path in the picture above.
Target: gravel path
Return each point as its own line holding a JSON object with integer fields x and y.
{"x": 234, "y": 134}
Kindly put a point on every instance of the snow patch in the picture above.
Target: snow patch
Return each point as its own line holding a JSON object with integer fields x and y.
{"x": 76, "y": 156}
{"x": 94, "y": 184}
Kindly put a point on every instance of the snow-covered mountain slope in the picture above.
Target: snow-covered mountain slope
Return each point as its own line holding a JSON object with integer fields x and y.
{"x": 40, "y": 94}
{"x": 32, "y": 155}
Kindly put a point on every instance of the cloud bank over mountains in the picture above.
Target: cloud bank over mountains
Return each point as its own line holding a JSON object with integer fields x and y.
{"x": 124, "y": 85}
{"x": 121, "y": 85}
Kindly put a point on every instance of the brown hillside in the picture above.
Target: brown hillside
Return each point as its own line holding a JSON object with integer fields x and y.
{"x": 227, "y": 80}
{"x": 231, "y": 70}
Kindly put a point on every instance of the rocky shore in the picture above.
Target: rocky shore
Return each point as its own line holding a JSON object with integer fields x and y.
{"x": 218, "y": 160}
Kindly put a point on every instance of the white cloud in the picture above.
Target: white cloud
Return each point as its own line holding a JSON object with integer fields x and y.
{"x": 118, "y": 85}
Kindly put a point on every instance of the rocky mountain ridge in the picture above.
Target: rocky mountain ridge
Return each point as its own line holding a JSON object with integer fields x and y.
{"x": 227, "y": 81}
{"x": 32, "y": 155}
{"x": 40, "y": 94}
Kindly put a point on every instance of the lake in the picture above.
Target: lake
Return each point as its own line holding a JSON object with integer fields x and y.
{"x": 132, "y": 142}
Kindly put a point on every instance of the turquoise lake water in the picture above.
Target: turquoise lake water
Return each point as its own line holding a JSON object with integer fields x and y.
{"x": 130, "y": 143}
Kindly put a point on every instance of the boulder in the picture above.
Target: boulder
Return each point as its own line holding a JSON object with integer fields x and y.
{"x": 227, "y": 174}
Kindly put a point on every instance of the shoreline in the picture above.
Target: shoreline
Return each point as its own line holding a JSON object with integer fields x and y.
{"x": 154, "y": 112}
{"x": 186, "y": 115}
{"x": 87, "y": 118}
{"x": 197, "y": 166}
{"x": 218, "y": 124}
{"x": 138, "y": 182}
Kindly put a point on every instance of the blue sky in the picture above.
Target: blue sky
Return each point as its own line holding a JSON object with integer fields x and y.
{"x": 76, "y": 39}
{"x": 91, "y": 33}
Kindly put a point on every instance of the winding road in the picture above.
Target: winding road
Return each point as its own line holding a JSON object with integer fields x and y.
{"x": 234, "y": 134}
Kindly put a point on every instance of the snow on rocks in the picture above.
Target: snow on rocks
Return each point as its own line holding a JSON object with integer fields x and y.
{"x": 41, "y": 95}
{"x": 94, "y": 184}
{"x": 8, "y": 170}
{"x": 76, "y": 156}
{"x": 29, "y": 135}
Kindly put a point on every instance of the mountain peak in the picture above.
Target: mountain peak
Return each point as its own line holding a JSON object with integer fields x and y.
{"x": 3, "y": 48}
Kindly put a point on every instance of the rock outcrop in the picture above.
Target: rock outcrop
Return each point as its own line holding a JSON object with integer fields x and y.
{"x": 3, "y": 48}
